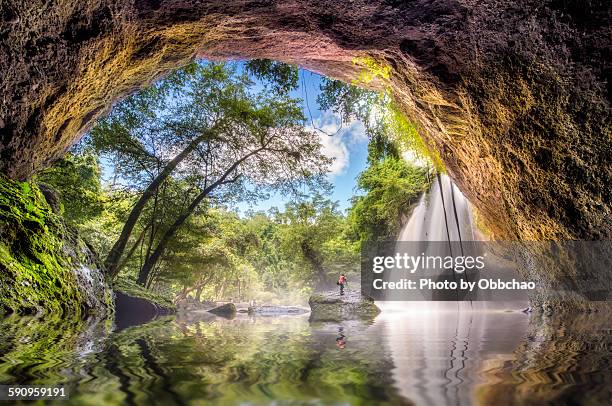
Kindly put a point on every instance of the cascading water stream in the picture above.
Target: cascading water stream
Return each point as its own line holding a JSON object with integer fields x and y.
{"x": 443, "y": 214}
{"x": 427, "y": 221}
{"x": 435, "y": 344}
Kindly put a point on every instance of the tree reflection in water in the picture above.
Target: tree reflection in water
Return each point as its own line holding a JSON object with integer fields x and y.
{"x": 426, "y": 358}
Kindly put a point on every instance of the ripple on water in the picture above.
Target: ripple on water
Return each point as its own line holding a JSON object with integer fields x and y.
{"x": 437, "y": 358}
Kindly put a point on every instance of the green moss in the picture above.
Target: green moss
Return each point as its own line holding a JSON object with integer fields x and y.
{"x": 133, "y": 289}
{"x": 35, "y": 271}
{"x": 408, "y": 137}
{"x": 399, "y": 128}
{"x": 371, "y": 69}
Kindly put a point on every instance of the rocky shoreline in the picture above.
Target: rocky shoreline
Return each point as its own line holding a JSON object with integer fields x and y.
{"x": 324, "y": 306}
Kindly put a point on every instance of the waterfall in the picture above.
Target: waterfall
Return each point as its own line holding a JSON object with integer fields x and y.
{"x": 427, "y": 221}
{"x": 435, "y": 344}
{"x": 442, "y": 214}
{"x": 428, "y": 231}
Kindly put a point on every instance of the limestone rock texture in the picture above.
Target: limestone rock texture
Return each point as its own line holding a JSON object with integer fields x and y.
{"x": 513, "y": 95}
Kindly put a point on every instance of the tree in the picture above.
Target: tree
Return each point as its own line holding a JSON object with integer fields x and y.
{"x": 282, "y": 77}
{"x": 384, "y": 122}
{"x": 210, "y": 128}
{"x": 213, "y": 250}
{"x": 266, "y": 156}
{"x": 391, "y": 184}
{"x": 76, "y": 178}
{"x": 315, "y": 232}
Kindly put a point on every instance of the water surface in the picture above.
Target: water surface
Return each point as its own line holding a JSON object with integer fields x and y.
{"x": 446, "y": 356}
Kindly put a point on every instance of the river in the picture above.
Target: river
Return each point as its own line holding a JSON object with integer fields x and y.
{"x": 441, "y": 357}
{"x": 424, "y": 353}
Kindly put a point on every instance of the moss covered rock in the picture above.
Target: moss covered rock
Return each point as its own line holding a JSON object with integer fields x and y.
{"x": 44, "y": 265}
{"x": 132, "y": 289}
{"x": 330, "y": 306}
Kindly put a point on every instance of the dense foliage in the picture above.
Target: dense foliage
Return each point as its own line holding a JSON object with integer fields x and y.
{"x": 391, "y": 186}
{"x": 76, "y": 178}
{"x": 179, "y": 155}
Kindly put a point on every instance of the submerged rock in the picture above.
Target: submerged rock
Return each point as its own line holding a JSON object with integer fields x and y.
{"x": 226, "y": 310}
{"x": 269, "y": 310}
{"x": 330, "y": 306}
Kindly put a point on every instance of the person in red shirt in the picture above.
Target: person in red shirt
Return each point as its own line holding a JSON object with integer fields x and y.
{"x": 341, "y": 282}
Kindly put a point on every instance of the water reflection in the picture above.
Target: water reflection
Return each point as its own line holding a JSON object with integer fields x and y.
{"x": 341, "y": 339}
{"x": 423, "y": 357}
{"x": 438, "y": 350}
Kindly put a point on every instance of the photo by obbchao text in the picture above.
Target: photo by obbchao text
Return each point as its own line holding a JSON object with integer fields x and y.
{"x": 472, "y": 270}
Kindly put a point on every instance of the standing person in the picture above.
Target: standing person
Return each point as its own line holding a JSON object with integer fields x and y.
{"x": 341, "y": 282}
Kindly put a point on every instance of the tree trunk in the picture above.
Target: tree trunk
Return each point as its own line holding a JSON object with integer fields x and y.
{"x": 161, "y": 246}
{"x": 317, "y": 265}
{"x": 221, "y": 291}
{"x": 152, "y": 224}
{"x": 181, "y": 295}
{"x": 198, "y": 293}
{"x": 114, "y": 256}
{"x": 150, "y": 280}
{"x": 133, "y": 249}
{"x": 165, "y": 239}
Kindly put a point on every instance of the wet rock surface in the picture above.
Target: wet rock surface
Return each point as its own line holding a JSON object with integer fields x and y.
{"x": 225, "y": 310}
{"x": 331, "y": 306}
{"x": 133, "y": 310}
{"x": 45, "y": 267}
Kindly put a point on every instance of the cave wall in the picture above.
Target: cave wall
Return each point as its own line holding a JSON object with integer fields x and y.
{"x": 512, "y": 94}
{"x": 45, "y": 268}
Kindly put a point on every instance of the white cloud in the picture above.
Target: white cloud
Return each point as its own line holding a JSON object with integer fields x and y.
{"x": 334, "y": 148}
{"x": 336, "y": 138}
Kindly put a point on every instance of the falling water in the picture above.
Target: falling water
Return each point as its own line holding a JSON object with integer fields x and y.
{"x": 432, "y": 220}
{"x": 428, "y": 223}
{"x": 437, "y": 347}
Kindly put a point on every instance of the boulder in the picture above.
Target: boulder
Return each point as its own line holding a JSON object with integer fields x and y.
{"x": 330, "y": 306}
{"x": 133, "y": 310}
{"x": 226, "y": 310}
